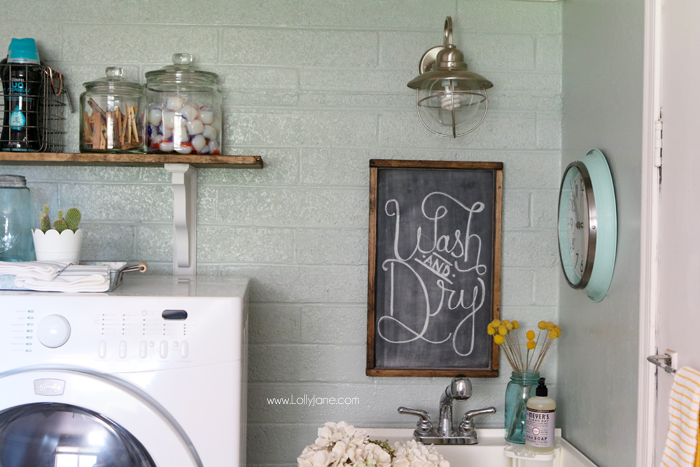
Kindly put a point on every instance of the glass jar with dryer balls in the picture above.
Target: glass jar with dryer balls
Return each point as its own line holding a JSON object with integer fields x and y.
{"x": 184, "y": 109}
{"x": 111, "y": 115}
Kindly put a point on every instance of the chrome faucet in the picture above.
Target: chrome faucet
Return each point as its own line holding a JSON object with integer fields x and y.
{"x": 461, "y": 389}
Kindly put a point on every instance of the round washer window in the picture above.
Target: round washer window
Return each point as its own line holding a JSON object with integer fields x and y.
{"x": 59, "y": 435}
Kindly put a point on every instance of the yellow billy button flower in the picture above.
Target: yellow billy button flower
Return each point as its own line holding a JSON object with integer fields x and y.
{"x": 531, "y": 344}
{"x": 550, "y": 326}
{"x": 542, "y": 325}
{"x": 553, "y": 334}
{"x": 499, "y": 339}
{"x": 491, "y": 330}
{"x": 558, "y": 329}
{"x": 509, "y": 325}
{"x": 495, "y": 323}
{"x": 530, "y": 334}
{"x": 502, "y": 330}
{"x": 516, "y": 325}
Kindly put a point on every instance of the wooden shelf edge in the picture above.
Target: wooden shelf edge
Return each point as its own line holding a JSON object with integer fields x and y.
{"x": 132, "y": 160}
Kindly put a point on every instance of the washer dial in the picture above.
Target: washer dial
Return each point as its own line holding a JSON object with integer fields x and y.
{"x": 53, "y": 331}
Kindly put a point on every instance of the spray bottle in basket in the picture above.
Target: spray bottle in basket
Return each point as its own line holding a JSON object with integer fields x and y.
{"x": 21, "y": 82}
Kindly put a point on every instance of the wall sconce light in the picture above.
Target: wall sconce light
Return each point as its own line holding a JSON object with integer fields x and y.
{"x": 451, "y": 101}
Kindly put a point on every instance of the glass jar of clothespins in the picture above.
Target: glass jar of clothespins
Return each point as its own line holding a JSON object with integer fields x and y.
{"x": 111, "y": 115}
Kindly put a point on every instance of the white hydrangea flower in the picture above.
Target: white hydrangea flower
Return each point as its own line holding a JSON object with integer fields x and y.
{"x": 342, "y": 445}
{"x": 415, "y": 454}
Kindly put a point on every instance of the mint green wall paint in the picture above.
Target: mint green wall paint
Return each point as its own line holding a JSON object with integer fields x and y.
{"x": 317, "y": 88}
{"x": 602, "y": 82}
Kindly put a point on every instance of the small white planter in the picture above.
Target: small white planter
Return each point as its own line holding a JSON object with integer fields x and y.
{"x": 52, "y": 246}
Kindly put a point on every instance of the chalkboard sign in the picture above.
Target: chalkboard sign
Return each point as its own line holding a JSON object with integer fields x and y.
{"x": 434, "y": 267}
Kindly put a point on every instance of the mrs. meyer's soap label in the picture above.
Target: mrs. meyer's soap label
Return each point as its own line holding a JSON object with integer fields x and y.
{"x": 539, "y": 428}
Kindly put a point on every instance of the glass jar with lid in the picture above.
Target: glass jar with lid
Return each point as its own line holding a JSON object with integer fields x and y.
{"x": 184, "y": 109}
{"x": 111, "y": 115}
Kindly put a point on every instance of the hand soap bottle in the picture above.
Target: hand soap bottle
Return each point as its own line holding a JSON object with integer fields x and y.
{"x": 540, "y": 421}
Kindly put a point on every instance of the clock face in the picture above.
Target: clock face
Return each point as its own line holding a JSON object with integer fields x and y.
{"x": 574, "y": 224}
{"x": 588, "y": 225}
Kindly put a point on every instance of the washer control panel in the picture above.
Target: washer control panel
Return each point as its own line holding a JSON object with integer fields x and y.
{"x": 144, "y": 334}
{"x": 121, "y": 333}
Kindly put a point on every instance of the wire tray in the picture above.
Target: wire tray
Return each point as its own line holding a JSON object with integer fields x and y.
{"x": 38, "y": 95}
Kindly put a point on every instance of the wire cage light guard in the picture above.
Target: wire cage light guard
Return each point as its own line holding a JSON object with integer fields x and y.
{"x": 37, "y": 121}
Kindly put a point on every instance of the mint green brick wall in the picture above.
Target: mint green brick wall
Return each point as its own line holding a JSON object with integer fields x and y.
{"x": 317, "y": 87}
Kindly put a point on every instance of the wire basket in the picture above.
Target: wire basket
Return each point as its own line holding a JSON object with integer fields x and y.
{"x": 33, "y": 102}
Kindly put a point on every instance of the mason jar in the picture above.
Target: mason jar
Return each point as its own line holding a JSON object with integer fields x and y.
{"x": 17, "y": 218}
{"x": 111, "y": 115}
{"x": 183, "y": 109}
{"x": 521, "y": 387}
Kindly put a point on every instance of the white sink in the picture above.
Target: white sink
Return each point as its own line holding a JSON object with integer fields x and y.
{"x": 489, "y": 452}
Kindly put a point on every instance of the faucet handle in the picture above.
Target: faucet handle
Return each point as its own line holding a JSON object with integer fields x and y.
{"x": 467, "y": 424}
{"x": 424, "y": 425}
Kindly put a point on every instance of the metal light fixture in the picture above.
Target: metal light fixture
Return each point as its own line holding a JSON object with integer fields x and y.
{"x": 451, "y": 101}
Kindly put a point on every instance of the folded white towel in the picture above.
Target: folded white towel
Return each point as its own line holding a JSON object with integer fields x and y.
{"x": 46, "y": 270}
{"x": 67, "y": 283}
{"x": 84, "y": 270}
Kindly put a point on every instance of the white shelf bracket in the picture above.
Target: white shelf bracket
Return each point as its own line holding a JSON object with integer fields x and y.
{"x": 184, "y": 219}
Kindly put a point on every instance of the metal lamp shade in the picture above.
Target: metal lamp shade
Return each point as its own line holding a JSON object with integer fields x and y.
{"x": 451, "y": 101}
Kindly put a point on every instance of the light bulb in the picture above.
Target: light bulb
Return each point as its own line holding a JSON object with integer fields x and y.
{"x": 449, "y": 99}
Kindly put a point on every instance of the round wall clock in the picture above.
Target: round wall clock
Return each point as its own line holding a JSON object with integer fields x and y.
{"x": 588, "y": 225}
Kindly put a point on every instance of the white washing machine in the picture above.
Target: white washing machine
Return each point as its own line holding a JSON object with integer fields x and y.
{"x": 153, "y": 374}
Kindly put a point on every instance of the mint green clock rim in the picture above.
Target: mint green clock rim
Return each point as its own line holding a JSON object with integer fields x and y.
{"x": 606, "y": 213}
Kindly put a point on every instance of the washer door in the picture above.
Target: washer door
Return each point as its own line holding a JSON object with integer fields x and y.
{"x": 58, "y": 418}
{"x": 60, "y": 435}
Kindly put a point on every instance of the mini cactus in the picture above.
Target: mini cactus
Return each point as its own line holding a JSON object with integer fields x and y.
{"x": 73, "y": 218}
{"x": 44, "y": 221}
{"x": 60, "y": 223}
{"x": 71, "y": 221}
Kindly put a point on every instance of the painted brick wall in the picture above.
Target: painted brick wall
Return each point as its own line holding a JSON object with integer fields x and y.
{"x": 317, "y": 88}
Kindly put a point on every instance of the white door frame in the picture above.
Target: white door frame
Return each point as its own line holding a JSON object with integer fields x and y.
{"x": 648, "y": 284}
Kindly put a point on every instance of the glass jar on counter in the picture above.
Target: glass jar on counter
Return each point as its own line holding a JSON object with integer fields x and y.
{"x": 183, "y": 109}
{"x": 521, "y": 387}
{"x": 17, "y": 219}
{"x": 111, "y": 115}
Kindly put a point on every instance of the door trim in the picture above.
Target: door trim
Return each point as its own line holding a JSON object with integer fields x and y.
{"x": 648, "y": 290}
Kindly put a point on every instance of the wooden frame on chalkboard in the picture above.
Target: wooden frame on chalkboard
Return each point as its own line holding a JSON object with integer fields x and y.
{"x": 418, "y": 355}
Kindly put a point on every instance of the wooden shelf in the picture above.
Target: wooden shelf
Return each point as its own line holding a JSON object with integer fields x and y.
{"x": 133, "y": 160}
